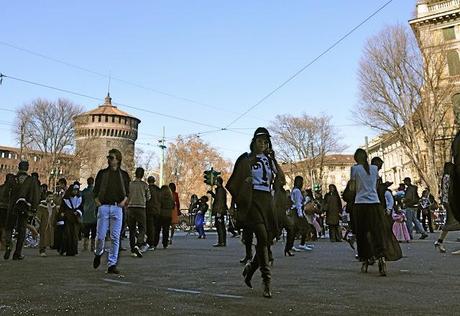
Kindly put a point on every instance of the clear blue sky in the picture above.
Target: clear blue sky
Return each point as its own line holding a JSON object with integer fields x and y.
{"x": 227, "y": 54}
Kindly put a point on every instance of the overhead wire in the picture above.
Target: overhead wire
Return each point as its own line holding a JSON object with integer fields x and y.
{"x": 298, "y": 72}
{"x": 100, "y": 99}
{"x": 216, "y": 128}
{"x": 110, "y": 77}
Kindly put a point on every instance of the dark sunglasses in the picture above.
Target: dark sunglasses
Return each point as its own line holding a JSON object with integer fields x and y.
{"x": 111, "y": 157}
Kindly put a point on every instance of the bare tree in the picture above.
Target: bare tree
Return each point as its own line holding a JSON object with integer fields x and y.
{"x": 303, "y": 142}
{"x": 146, "y": 159}
{"x": 406, "y": 91}
{"x": 47, "y": 127}
{"x": 186, "y": 160}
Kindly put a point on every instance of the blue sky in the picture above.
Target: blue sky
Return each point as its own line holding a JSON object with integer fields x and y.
{"x": 225, "y": 54}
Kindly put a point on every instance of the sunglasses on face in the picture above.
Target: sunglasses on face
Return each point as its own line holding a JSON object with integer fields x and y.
{"x": 110, "y": 157}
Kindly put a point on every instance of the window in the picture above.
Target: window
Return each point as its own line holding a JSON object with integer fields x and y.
{"x": 448, "y": 33}
{"x": 92, "y": 118}
{"x": 99, "y": 118}
{"x": 453, "y": 62}
{"x": 113, "y": 119}
{"x": 106, "y": 118}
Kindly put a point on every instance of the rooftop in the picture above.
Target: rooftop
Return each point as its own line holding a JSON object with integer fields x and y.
{"x": 107, "y": 108}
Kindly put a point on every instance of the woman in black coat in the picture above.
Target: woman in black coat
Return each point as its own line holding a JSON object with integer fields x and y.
{"x": 251, "y": 186}
{"x": 333, "y": 207}
{"x": 72, "y": 210}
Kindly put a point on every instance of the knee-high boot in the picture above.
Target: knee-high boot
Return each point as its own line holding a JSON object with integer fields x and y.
{"x": 249, "y": 270}
{"x": 264, "y": 263}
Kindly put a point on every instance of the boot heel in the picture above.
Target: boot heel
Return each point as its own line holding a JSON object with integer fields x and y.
{"x": 364, "y": 267}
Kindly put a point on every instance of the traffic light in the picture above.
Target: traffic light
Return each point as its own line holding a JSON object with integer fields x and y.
{"x": 207, "y": 177}
{"x": 210, "y": 176}
{"x": 215, "y": 174}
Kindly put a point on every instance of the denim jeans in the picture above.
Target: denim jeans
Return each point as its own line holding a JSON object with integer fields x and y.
{"x": 411, "y": 220}
{"x": 109, "y": 217}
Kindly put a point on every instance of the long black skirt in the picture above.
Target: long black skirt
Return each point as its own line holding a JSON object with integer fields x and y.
{"x": 262, "y": 212}
{"x": 374, "y": 235}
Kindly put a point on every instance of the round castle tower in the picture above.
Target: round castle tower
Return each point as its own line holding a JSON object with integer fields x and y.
{"x": 98, "y": 131}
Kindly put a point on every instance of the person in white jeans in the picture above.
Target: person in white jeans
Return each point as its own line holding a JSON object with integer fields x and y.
{"x": 111, "y": 191}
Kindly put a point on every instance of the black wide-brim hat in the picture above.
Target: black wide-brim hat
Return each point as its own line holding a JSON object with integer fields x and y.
{"x": 261, "y": 131}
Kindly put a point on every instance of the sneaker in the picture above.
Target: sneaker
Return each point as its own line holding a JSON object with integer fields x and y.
{"x": 133, "y": 254}
{"x": 456, "y": 252}
{"x": 440, "y": 247}
{"x": 43, "y": 254}
{"x": 305, "y": 247}
{"x": 151, "y": 248}
{"x": 113, "y": 270}
{"x": 137, "y": 251}
{"x": 145, "y": 248}
{"x": 295, "y": 249}
{"x": 310, "y": 246}
{"x": 97, "y": 261}
{"x": 424, "y": 235}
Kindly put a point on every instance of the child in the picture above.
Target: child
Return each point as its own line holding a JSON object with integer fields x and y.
{"x": 399, "y": 226}
{"x": 44, "y": 213}
{"x": 199, "y": 219}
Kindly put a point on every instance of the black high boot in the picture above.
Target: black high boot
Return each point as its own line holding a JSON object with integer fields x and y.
{"x": 249, "y": 270}
{"x": 264, "y": 262}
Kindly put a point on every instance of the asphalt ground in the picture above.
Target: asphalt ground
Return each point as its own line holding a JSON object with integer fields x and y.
{"x": 193, "y": 278}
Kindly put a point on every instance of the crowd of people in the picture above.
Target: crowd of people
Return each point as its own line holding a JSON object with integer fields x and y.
{"x": 102, "y": 211}
{"x": 367, "y": 214}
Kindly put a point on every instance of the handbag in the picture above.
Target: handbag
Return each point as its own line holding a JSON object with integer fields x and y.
{"x": 310, "y": 208}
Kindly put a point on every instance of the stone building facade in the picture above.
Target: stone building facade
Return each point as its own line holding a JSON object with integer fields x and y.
{"x": 39, "y": 163}
{"x": 435, "y": 21}
{"x": 335, "y": 170}
{"x": 98, "y": 131}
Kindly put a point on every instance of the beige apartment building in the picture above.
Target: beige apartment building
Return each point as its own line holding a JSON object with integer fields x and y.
{"x": 334, "y": 169}
{"x": 434, "y": 21}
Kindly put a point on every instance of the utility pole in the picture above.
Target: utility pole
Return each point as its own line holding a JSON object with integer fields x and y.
{"x": 21, "y": 148}
{"x": 162, "y": 162}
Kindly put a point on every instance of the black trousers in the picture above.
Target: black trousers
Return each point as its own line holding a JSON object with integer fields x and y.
{"x": 89, "y": 229}
{"x": 16, "y": 218}
{"x": 426, "y": 217}
{"x": 3, "y": 217}
{"x": 290, "y": 237}
{"x": 248, "y": 236}
{"x": 136, "y": 218}
{"x": 301, "y": 227}
{"x": 150, "y": 220}
{"x": 231, "y": 226}
{"x": 162, "y": 225}
{"x": 334, "y": 233}
{"x": 221, "y": 231}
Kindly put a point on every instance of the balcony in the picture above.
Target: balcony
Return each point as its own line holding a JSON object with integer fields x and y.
{"x": 443, "y": 6}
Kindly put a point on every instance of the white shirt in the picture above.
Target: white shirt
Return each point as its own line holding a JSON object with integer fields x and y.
{"x": 297, "y": 200}
{"x": 389, "y": 200}
{"x": 366, "y": 184}
{"x": 262, "y": 174}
